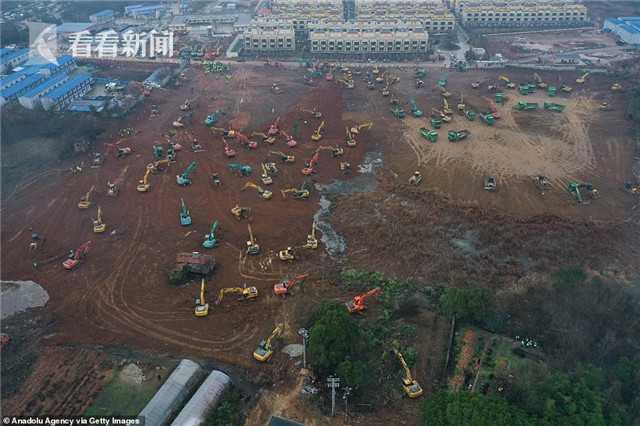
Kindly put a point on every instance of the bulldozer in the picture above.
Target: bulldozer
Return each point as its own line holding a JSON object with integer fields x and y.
{"x": 184, "y": 179}
{"x": 317, "y": 134}
{"x": 310, "y": 166}
{"x": 287, "y": 255}
{"x": 241, "y": 169}
{"x": 553, "y": 107}
{"x": 577, "y": 189}
{"x": 210, "y": 240}
{"x": 246, "y": 293}
{"x": 583, "y": 78}
{"x": 283, "y": 287}
{"x": 358, "y": 303}
{"x": 415, "y": 109}
{"x": 240, "y": 212}
{"x": 457, "y": 135}
{"x": 285, "y": 158}
{"x": 253, "y": 248}
{"x": 290, "y": 141}
{"x": 73, "y": 260}
{"x": 143, "y": 184}
{"x": 312, "y": 241}
{"x": 265, "y": 138}
{"x": 541, "y": 84}
{"x": 202, "y": 307}
{"x": 264, "y": 350}
{"x": 430, "y": 135}
{"x": 185, "y": 215}
{"x": 410, "y": 386}
{"x": 264, "y": 177}
{"x": 264, "y": 193}
{"x": 85, "y": 200}
{"x": 300, "y": 194}
{"x": 509, "y": 83}
{"x": 98, "y": 225}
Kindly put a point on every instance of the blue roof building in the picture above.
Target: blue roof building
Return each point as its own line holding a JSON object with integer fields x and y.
{"x": 31, "y": 99}
{"x": 11, "y": 79}
{"x": 102, "y": 16}
{"x": 19, "y": 88}
{"x": 626, "y": 28}
{"x": 73, "y": 88}
{"x": 144, "y": 10}
{"x": 13, "y": 58}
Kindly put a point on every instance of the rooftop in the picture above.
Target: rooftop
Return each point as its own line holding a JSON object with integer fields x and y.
{"x": 13, "y": 53}
{"x": 45, "y": 85}
{"x": 20, "y": 86}
{"x": 73, "y": 27}
{"x": 107, "y": 12}
{"x": 628, "y": 23}
{"x": 66, "y": 87}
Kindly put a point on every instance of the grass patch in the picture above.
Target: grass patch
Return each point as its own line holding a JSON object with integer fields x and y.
{"x": 121, "y": 398}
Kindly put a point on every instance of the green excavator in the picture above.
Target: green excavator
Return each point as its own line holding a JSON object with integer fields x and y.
{"x": 470, "y": 115}
{"x": 415, "y": 109}
{"x": 430, "y": 135}
{"x": 184, "y": 179}
{"x": 398, "y": 111}
{"x": 242, "y": 169}
{"x": 436, "y": 123}
{"x": 457, "y": 135}
{"x": 213, "y": 118}
{"x": 577, "y": 189}
{"x": 526, "y": 106}
{"x": 185, "y": 216}
{"x": 210, "y": 240}
{"x": 551, "y": 106}
{"x": 488, "y": 118}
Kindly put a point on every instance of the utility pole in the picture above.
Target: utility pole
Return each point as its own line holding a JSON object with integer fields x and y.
{"x": 333, "y": 383}
{"x": 345, "y": 396}
{"x": 305, "y": 335}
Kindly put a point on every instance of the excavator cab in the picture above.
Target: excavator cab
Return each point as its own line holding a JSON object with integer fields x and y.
{"x": 202, "y": 307}
{"x": 283, "y": 287}
{"x": 85, "y": 201}
{"x": 241, "y": 212}
{"x": 358, "y": 303}
{"x": 253, "y": 248}
{"x": 286, "y": 255}
{"x": 185, "y": 216}
{"x": 410, "y": 386}
{"x": 264, "y": 351}
{"x": 98, "y": 225}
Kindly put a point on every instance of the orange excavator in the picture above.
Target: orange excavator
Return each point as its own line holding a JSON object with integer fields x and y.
{"x": 312, "y": 163}
{"x": 74, "y": 259}
{"x": 357, "y": 304}
{"x": 282, "y": 288}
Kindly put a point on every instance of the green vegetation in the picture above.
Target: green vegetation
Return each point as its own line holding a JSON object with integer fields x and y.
{"x": 123, "y": 398}
{"x": 228, "y": 412}
{"x": 467, "y": 304}
{"x": 633, "y": 107}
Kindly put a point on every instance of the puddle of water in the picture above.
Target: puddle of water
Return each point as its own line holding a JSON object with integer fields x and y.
{"x": 18, "y": 296}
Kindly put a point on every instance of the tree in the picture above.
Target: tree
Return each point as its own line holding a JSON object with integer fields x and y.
{"x": 473, "y": 304}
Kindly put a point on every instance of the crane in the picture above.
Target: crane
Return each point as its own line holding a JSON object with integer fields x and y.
{"x": 264, "y": 177}
{"x": 210, "y": 238}
{"x": 291, "y": 142}
{"x": 312, "y": 163}
{"x": 583, "y": 78}
{"x": 185, "y": 216}
{"x": 183, "y": 179}
{"x": 410, "y": 385}
{"x": 264, "y": 193}
{"x": 202, "y": 307}
{"x": 357, "y": 304}
{"x": 312, "y": 241}
{"x": 74, "y": 257}
{"x": 98, "y": 225}
{"x": 317, "y": 134}
{"x": 286, "y": 158}
{"x": 85, "y": 201}
{"x": 253, "y": 248}
{"x": 246, "y": 293}
{"x": 541, "y": 84}
{"x": 264, "y": 350}
{"x": 143, "y": 184}
{"x": 283, "y": 287}
{"x": 287, "y": 255}
{"x": 228, "y": 151}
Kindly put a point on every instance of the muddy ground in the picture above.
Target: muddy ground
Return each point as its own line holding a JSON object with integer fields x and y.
{"x": 448, "y": 230}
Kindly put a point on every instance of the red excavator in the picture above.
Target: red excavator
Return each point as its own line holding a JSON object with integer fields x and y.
{"x": 357, "y": 304}
{"x": 274, "y": 128}
{"x": 312, "y": 163}
{"x": 244, "y": 140}
{"x": 74, "y": 260}
{"x": 291, "y": 142}
{"x": 282, "y": 288}
{"x": 228, "y": 151}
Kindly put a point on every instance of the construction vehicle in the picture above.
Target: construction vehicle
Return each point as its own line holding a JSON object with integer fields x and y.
{"x": 228, "y": 151}
{"x": 178, "y": 123}
{"x": 287, "y": 255}
{"x": 85, "y": 200}
{"x": 347, "y": 83}
{"x": 631, "y": 188}
{"x": 494, "y": 109}
{"x": 419, "y": 84}
{"x": 410, "y": 386}
{"x": 275, "y": 89}
{"x": 435, "y": 113}
{"x": 430, "y": 135}
{"x": 526, "y": 89}
{"x": 490, "y": 183}
{"x": 578, "y": 188}
{"x": 210, "y": 240}
{"x": 112, "y": 189}
{"x": 291, "y": 142}
{"x": 380, "y": 79}
{"x": 240, "y": 212}
{"x": 471, "y": 115}
{"x": 420, "y": 73}
{"x": 475, "y": 84}
{"x": 202, "y": 307}
{"x": 302, "y": 193}
{"x": 119, "y": 150}
{"x": 363, "y": 126}
{"x": 158, "y": 151}
{"x": 385, "y": 91}
{"x": 186, "y": 106}
{"x": 183, "y": 179}
{"x": 436, "y": 123}
{"x": 314, "y": 112}
{"x": 283, "y": 287}
{"x": 274, "y": 128}
{"x": 264, "y": 193}
{"x": 541, "y": 84}
{"x": 268, "y": 139}
{"x": 442, "y": 81}
{"x": 188, "y": 264}
{"x": 98, "y": 225}
{"x": 285, "y": 158}
{"x": 310, "y": 166}
{"x": 336, "y": 151}
{"x": 499, "y": 98}
{"x": 554, "y": 107}
{"x": 566, "y": 89}
{"x": 264, "y": 177}
{"x": 398, "y": 112}
{"x": 213, "y": 118}
{"x": 317, "y": 134}
{"x": 508, "y": 82}
{"x": 582, "y": 78}
{"x": 264, "y": 350}
{"x": 143, "y": 184}
{"x": 253, "y": 248}
{"x": 73, "y": 260}
{"x": 487, "y": 118}
{"x": 542, "y": 183}
{"x": 526, "y": 106}
{"x": 312, "y": 241}
{"x": 156, "y": 166}
{"x": 185, "y": 216}
{"x": 241, "y": 169}
{"x": 552, "y": 91}
{"x": 246, "y": 293}
{"x": 604, "y": 106}
{"x": 461, "y": 106}
{"x": 358, "y": 303}
{"x": 244, "y": 140}
{"x": 457, "y": 135}
{"x": 349, "y": 139}
{"x": 445, "y": 107}
{"x": 616, "y": 87}
{"x": 416, "y": 178}
{"x": 415, "y": 110}
{"x": 443, "y": 92}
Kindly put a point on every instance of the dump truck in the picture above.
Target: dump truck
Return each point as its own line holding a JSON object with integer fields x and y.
{"x": 190, "y": 264}
{"x": 487, "y": 118}
{"x": 430, "y": 135}
{"x": 553, "y": 107}
{"x": 552, "y": 91}
{"x": 457, "y": 135}
{"x": 526, "y": 106}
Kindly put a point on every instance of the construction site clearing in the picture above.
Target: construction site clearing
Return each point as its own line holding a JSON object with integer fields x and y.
{"x": 215, "y": 194}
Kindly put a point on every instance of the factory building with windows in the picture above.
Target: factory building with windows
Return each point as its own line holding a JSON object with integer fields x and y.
{"x": 521, "y": 13}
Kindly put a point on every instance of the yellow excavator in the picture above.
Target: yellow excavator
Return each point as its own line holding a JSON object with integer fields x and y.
{"x": 264, "y": 350}
{"x": 317, "y": 134}
{"x": 410, "y": 386}
{"x": 312, "y": 241}
{"x": 582, "y": 78}
{"x": 566, "y": 89}
{"x": 264, "y": 193}
{"x": 510, "y": 84}
{"x": 439, "y": 114}
{"x": 286, "y": 158}
{"x": 268, "y": 139}
{"x": 350, "y": 140}
{"x": 246, "y": 293}
{"x": 541, "y": 84}
{"x": 240, "y": 212}
{"x": 287, "y": 255}
{"x": 143, "y": 184}
{"x": 202, "y": 307}
{"x": 445, "y": 107}
{"x": 461, "y": 106}
{"x": 301, "y": 193}
{"x": 85, "y": 201}
{"x": 364, "y": 126}
{"x": 253, "y": 248}
{"x": 264, "y": 177}
{"x": 156, "y": 166}
{"x": 98, "y": 225}
{"x": 444, "y": 92}
{"x": 336, "y": 151}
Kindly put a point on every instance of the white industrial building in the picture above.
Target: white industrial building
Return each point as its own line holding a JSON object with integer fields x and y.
{"x": 270, "y": 35}
{"x": 627, "y": 29}
{"x": 521, "y": 13}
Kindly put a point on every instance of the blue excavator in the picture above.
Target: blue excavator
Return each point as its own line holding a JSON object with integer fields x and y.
{"x": 213, "y": 118}
{"x": 210, "y": 238}
{"x": 242, "y": 169}
{"x": 183, "y": 179}
{"x": 185, "y": 216}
